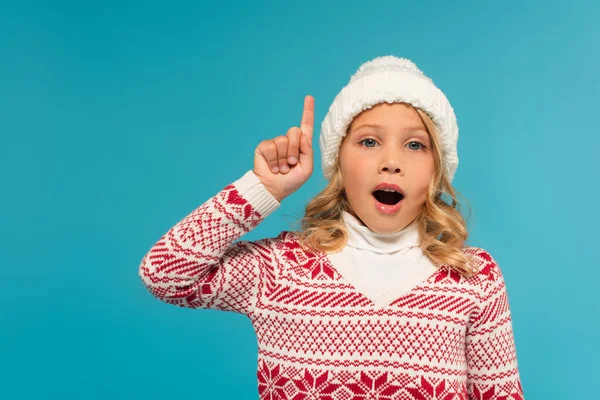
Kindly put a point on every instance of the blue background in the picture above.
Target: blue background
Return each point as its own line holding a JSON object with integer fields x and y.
{"x": 117, "y": 119}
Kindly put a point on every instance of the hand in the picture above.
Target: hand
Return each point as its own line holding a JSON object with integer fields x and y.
{"x": 284, "y": 163}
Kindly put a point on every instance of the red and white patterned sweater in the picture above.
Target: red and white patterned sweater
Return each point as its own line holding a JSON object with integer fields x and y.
{"x": 318, "y": 337}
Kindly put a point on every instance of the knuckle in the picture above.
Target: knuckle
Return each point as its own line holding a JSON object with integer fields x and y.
{"x": 269, "y": 145}
{"x": 294, "y": 130}
{"x": 281, "y": 141}
{"x": 284, "y": 144}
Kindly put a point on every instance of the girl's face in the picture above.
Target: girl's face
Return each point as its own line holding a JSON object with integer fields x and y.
{"x": 387, "y": 143}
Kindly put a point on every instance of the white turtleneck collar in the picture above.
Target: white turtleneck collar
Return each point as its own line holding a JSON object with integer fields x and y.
{"x": 382, "y": 267}
{"x": 361, "y": 237}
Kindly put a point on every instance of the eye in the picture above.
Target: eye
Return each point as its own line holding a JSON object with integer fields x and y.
{"x": 373, "y": 142}
{"x": 417, "y": 149}
{"x": 369, "y": 140}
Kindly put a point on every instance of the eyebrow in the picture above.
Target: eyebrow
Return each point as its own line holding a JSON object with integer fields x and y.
{"x": 376, "y": 126}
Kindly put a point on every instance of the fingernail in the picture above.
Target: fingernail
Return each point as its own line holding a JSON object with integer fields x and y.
{"x": 292, "y": 160}
{"x": 284, "y": 168}
{"x": 275, "y": 170}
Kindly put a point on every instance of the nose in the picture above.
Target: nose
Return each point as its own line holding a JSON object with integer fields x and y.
{"x": 390, "y": 164}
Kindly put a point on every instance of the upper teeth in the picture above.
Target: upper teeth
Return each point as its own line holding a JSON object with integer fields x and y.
{"x": 388, "y": 190}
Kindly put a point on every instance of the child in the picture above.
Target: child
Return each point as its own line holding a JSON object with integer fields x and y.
{"x": 377, "y": 296}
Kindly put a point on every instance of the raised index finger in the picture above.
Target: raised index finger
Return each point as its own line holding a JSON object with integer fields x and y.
{"x": 308, "y": 117}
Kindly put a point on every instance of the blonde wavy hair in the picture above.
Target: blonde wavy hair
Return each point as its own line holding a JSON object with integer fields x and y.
{"x": 441, "y": 226}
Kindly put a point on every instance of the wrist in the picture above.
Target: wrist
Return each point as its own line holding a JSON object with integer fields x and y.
{"x": 279, "y": 197}
{"x": 274, "y": 193}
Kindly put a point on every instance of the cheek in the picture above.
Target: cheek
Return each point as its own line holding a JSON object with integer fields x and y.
{"x": 356, "y": 184}
{"x": 355, "y": 162}
{"x": 355, "y": 168}
{"x": 424, "y": 176}
{"x": 422, "y": 183}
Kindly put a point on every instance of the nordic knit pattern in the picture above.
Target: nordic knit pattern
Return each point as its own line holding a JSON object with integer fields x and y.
{"x": 318, "y": 337}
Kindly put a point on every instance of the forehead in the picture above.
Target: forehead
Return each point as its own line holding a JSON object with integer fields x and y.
{"x": 385, "y": 116}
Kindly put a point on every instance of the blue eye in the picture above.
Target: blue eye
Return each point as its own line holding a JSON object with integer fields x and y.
{"x": 419, "y": 143}
{"x": 364, "y": 140}
{"x": 373, "y": 141}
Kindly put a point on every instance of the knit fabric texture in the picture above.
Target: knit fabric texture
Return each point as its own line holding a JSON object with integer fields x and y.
{"x": 449, "y": 337}
{"x": 388, "y": 79}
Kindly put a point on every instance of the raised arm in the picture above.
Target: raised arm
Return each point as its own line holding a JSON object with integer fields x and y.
{"x": 195, "y": 264}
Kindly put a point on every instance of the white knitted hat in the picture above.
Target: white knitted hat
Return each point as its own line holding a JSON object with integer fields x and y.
{"x": 388, "y": 79}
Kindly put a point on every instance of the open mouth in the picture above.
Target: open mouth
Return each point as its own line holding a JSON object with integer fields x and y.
{"x": 388, "y": 197}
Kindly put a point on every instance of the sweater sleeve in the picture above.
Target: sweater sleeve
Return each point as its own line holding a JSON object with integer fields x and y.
{"x": 196, "y": 264}
{"x": 493, "y": 371}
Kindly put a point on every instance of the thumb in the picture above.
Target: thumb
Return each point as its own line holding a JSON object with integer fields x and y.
{"x": 306, "y": 151}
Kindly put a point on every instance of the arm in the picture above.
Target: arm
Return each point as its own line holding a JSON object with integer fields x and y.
{"x": 491, "y": 354}
{"x": 197, "y": 265}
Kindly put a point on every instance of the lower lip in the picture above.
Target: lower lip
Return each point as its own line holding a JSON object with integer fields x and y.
{"x": 386, "y": 208}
